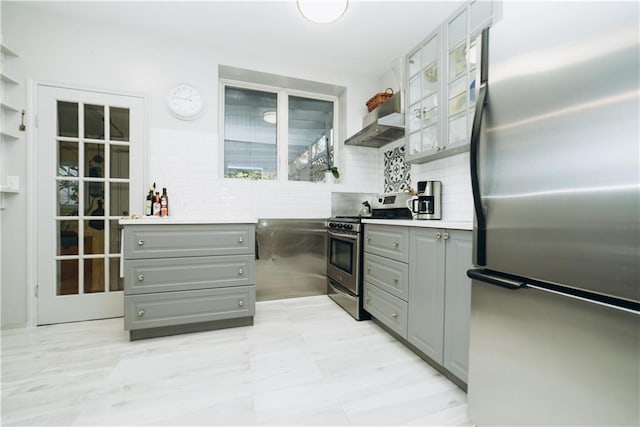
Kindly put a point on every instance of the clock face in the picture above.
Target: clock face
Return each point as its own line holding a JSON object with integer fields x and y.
{"x": 185, "y": 102}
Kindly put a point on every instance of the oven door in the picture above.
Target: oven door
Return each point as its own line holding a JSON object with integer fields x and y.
{"x": 343, "y": 260}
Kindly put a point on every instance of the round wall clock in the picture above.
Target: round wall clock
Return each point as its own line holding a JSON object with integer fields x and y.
{"x": 185, "y": 102}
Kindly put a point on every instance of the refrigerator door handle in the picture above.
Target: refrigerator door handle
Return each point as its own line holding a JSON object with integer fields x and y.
{"x": 474, "y": 145}
{"x": 494, "y": 279}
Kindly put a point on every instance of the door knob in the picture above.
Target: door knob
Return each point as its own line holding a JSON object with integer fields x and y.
{"x": 240, "y": 239}
{"x": 241, "y": 303}
{"x": 140, "y": 242}
{"x": 438, "y": 235}
{"x": 240, "y": 271}
{"x": 141, "y": 313}
{"x": 394, "y": 315}
{"x": 445, "y": 236}
{"x": 140, "y": 277}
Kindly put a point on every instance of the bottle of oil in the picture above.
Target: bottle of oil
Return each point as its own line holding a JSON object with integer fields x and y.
{"x": 148, "y": 203}
{"x": 164, "y": 203}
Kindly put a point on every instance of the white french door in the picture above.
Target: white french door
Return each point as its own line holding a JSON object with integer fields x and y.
{"x": 89, "y": 174}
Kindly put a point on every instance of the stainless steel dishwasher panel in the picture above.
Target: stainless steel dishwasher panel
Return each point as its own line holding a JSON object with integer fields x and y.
{"x": 291, "y": 258}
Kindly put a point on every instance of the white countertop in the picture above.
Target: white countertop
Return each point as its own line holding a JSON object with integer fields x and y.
{"x": 455, "y": 225}
{"x": 146, "y": 220}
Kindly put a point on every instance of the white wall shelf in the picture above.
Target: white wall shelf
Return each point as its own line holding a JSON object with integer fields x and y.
{"x": 9, "y": 108}
{"x": 8, "y": 79}
{"x": 9, "y": 136}
{"x": 6, "y": 51}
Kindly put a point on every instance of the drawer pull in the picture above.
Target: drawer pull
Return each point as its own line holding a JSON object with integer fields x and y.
{"x": 140, "y": 242}
{"x": 241, "y": 303}
{"x": 395, "y": 279}
{"x": 368, "y": 269}
{"x": 240, "y": 239}
{"x": 394, "y": 315}
{"x": 438, "y": 235}
{"x": 141, "y": 313}
{"x": 140, "y": 277}
{"x": 396, "y": 244}
{"x": 240, "y": 272}
{"x": 368, "y": 239}
{"x": 445, "y": 236}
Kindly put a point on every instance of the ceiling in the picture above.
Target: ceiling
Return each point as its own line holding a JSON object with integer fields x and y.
{"x": 366, "y": 39}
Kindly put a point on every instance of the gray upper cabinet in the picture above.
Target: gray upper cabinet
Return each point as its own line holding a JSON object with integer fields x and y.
{"x": 442, "y": 89}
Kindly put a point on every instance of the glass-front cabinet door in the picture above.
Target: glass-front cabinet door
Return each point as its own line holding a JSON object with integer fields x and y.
{"x": 442, "y": 81}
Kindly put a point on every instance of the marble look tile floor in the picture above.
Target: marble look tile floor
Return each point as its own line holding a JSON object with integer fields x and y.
{"x": 304, "y": 362}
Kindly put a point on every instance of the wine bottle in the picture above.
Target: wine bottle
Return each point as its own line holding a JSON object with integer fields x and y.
{"x": 164, "y": 203}
{"x": 156, "y": 204}
{"x": 148, "y": 203}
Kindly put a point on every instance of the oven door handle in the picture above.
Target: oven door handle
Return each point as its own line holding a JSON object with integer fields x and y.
{"x": 343, "y": 236}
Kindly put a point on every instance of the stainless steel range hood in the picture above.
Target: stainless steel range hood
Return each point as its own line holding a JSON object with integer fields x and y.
{"x": 381, "y": 126}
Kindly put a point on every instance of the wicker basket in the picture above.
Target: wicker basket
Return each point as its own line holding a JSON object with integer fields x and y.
{"x": 379, "y": 98}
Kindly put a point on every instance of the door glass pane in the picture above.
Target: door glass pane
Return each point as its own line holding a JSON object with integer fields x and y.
{"x": 94, "y": 198}
{"x": 415, "y": 117}
{"x": 119, "y": 199}
{"x": 458, "y": 103}
{"x": 94, "y": 275}
{"x": 94, "y": 121}
{"x": 67, "y": 198}
{"x": 474, "y": 52}
{"x": 458, "y": 28}
{"x": 310, "y": 147}
{"x": 119, "y": 161}
{"x": 457, "y": 87}
{"x": 250, "y": 133}
{"x": 430, "y": 52}
{"x": 414, "y": 90}
{"x": 430, "y": 79}
{"x": 457, "y": 61}
{"x": 415, "y": 143}
{"x": 67, "y": 237}
{"x": 94, "y": 236}
{"x": 67, "y": 277}
{"x": 119, "y": 118}
{"x": 114, "y": 236}
{"x": 94, "y": 160}
{"x": 458, "y": 129}
{"x": 67, "y": 119}
{"x": 429, "y": 138}
{"x": 480, "y": 12}
{"x": 116, "y": 283}
{"x": 67, "y": 158}
{"x": 414, "y": 64}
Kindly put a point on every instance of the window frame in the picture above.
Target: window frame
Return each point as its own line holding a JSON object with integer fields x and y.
{"x": 282, "y": 125}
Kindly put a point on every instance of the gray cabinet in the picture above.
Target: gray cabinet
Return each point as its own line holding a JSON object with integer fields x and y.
{"x": 388, "y": 241}
{"x": 187, "y": 277}
{"x": 440, "y": 296}
{"x": 387, "y": 274}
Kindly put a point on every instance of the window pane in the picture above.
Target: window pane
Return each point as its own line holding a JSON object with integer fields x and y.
{"x": 94, "y": 275}
{"x": 94, "y": 121}
{"x": 250, "y": 149}
{"x": 310, "y": 138}
{"x": 119, "y": 161}
{"x": 67, "y": 238}
{"x": 114, "y": 236}
{"x": 119, "y": 199}
{"x": 67, "y": 158}
{"x": 94, "y": 236}
{"x": 67, "y": 283}
{"x": 119, "y": 129}
{"x": 94, "y": 160}
{"x": 67, "y": 198}
{"x": 458, "y": 129}
{"x": 68, "y": 119}
{"x": 116, "y": 283}
{"x": 94, "y": 198}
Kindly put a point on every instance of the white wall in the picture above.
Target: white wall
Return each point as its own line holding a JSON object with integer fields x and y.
{"x": 183, "y": 156}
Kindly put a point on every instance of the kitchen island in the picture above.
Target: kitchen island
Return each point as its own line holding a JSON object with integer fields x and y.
{"x": 187, "y": 275}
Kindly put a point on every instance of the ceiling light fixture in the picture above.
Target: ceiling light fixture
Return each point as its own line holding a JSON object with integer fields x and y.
{"x": 270, "y": 117}
{"x": 322, "y": 11}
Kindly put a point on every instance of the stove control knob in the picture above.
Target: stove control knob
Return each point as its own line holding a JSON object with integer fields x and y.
{"x": 349, "y": 226}
{"x": 340, "y": 225}
{"x": 332, "y": 224}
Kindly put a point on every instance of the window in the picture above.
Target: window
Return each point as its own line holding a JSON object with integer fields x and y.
{"x": 271, "y": 133}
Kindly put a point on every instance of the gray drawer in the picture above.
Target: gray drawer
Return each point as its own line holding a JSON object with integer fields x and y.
{"x": 387, "y": 274}
{"x": 178, "y": 308}
{"x": 183, "y": 274}
{"x": 389, "y": 310}
{"x": 388, "y": 241}
{"x": 185, "y": 240}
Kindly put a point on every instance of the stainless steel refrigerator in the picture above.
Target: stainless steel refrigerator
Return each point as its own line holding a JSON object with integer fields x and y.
{"x": 555, "y": 165}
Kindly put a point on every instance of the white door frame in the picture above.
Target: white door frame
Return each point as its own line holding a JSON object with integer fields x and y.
{"x": 31, "y": 182}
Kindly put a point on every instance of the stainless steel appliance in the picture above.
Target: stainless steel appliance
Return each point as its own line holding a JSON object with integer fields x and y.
{"x": 381, "y": 126}
{"x": 344, "y": 264}
{"x": 555, "y": 320}
{"x": 391, "y": 206}
{"x": 427, "y": 204}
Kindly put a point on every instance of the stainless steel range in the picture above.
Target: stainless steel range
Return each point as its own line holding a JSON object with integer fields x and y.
{"x": 344, "y": 264}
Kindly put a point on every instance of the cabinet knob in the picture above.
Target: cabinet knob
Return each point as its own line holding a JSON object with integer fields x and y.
{"x": 438, "y": 235}
{"x": 140, "y": 242}
{"x": 241, "y": 303}
{"x": 240, "y": 272}
{"x": 240, "y": 239}
{"x": 445, "y": 236}
{"x": 368, "y": 299}
{"x": 394, "y": 315}
{"x": 141, "y": 313}
{"x": 395, "y": 279}
{"x": 368, "y": 238}
{"x": 140, "y": 277}
{"x": 368, "y": 269}
{"x": 396, "y": 244}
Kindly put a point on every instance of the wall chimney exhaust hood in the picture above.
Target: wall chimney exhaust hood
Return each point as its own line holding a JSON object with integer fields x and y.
{"x": 381, "y": 126}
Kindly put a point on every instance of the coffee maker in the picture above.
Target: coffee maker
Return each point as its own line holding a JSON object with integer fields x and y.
{"x": 427, "y": 203}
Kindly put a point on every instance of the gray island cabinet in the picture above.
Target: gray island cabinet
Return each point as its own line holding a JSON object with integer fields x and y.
{"x": 184, "y": 277}
{"x": 416, "y": 287}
